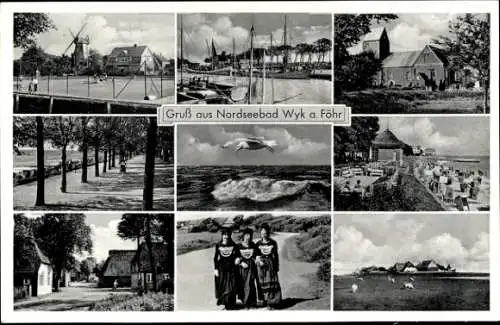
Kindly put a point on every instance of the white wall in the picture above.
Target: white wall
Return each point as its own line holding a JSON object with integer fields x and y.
{"x": 44, "y": 279}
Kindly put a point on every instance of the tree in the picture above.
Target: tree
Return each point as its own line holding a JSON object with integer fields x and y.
{"x": 40, "y": 163}
{"x": 32, "y": 59}
{"x": 349, "y": 28}
{"x": 131, "y": 226}
{"x": 61, "y": 236}
{"x": 358, "y": 71}
{"x": 87, "y": 267}
{"x": 149, "y": 168}
{"x": 28, "y": 25}
{"x": 95, "y": 62}
{"x": 357, "y": 137}
{"x": 149, "y": 244}
{"x": 469, "y": 46}
{"x": 82, "y": 129}
{"x": 61, "y": 131}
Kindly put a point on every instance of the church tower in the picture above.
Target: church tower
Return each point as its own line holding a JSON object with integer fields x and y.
{"x": 377, "y": 42}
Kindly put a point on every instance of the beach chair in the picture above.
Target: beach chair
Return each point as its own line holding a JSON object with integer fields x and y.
{"x": 347, "y": 173}
{"x": 448, "y": 196}
{"x": 357, "y": 171}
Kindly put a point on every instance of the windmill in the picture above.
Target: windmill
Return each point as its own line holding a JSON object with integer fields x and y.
{"x": 80, "y": 56}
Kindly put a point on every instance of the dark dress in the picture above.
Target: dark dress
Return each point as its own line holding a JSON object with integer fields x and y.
{"x": 267, "y": 271}
{"x": 225, "y": 283}
{"x": 247, "y": 277}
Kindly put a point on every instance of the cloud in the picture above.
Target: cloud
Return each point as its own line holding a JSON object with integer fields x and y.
{"x": 411, "y": 32}
{"x": 449, "y": 136}
{"x": 353, "y": 248}
{"x": 107, "y": 31}
{"x": 201, "y": 146}
{"x": 198, "y": 29}
{"x": 106, "y": 238}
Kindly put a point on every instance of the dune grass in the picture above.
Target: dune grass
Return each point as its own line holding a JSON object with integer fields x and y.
{"x": 147, "y": 302}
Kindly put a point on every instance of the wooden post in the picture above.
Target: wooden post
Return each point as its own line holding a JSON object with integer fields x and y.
{"x": 51, "y": 104}
{"x": 161, "y": 82}
{"x": 113, "y": 87}
{"x": 16, "y": 104}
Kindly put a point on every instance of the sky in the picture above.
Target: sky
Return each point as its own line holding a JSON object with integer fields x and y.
{"x": 449, "y": 135}
{"x": 107, "y": 31}
{"x": 222, "y": 28}
{"x": 411, "y": 32}
{"x": 362, "y": 240}
{"x": 297, "y": 145}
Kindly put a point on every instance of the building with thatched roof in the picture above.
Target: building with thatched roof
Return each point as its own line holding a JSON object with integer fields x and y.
{"x": 386, "y": 146}
{"x": 117, "y": 267}
{"x": 407, "y": 267}
{"x": 33, "y": 272}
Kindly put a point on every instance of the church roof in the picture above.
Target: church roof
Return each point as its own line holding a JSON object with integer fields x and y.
{"x": 387, "y": 140}
{"x": 401, "y": 59}
{"x": 375, "y": 34}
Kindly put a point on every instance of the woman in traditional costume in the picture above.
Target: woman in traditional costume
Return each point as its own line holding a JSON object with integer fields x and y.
{"x": 268, "y": 266}
{"x": 226, "y": 253}
{"x": 247, "y": 270}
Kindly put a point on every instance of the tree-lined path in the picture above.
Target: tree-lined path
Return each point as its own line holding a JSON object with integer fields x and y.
{"x": 147, "y": 183}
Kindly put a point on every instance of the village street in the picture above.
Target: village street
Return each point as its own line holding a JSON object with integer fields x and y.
{"x": 111, "y": 190}
{"x": 195, "y": 288}
{"x": 78, "y": 296}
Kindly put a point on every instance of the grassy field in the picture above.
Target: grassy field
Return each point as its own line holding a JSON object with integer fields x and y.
{"x": 188, "y": 242}
{"x": 391, "y": 101}
{"x": 147, "y": 302}
{"x": 52, "y": 157}
{"x": 375, "y": 292}
{"x": 78, "y": 86}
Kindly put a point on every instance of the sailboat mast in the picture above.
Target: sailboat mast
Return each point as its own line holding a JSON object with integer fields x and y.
{"x": 272, "y": 80}
{"x": 251, "y": 67}
{"x": 263, "y": 75}
{"x": 285, "y": 59}
{"x": 182, "y": 52}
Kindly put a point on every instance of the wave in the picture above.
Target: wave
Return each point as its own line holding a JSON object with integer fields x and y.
{"x": 265, "y": 189}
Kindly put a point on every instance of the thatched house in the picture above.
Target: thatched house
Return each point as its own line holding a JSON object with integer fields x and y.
{"x": 141, "y": 270}
{"x": 33, "y": 273}
{"x": 407, "y": 267}
{"x": 429, "y": 266}
{"x": 386, "y": 146}
{"x": 117, "y": 267}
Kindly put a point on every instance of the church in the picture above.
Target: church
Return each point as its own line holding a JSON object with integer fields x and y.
{"x": 427, "y": 67}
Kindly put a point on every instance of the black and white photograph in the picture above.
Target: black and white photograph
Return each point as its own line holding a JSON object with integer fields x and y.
{"x": 397, "y": 163}
{"x": 254, "y": 58}
{"x": 254, "y": 167}
{"x": 411, "y": 262}
{"x": 412, "y": 63}
{"x": 253, "y": 262}
{"x": 93, "y": 262}
{"x": 92, "y": 163}
{"x": 93, "y": 63}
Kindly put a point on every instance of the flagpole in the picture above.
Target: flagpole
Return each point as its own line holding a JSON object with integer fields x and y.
{"x": 251, "y": 66}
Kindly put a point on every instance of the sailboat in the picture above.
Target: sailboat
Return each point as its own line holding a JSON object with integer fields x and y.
{"x": 201, "y": 90}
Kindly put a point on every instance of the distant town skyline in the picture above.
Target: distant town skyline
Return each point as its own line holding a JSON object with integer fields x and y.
{"x": 107, "y": 31}
{"x": 362, "y": 240}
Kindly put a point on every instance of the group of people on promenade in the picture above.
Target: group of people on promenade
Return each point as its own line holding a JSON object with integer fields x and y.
{"x": 247, "y": 271}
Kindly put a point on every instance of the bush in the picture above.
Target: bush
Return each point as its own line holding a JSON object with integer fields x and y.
{"x": 148, "y": 302}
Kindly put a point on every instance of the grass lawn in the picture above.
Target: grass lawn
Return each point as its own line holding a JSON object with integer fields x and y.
{"x": 188, "y": 242}
{"x": 390, "y": 101}
{"x": 430, "y": 293}
{"x": 146, "y": 302}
